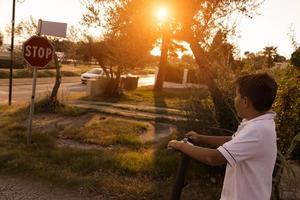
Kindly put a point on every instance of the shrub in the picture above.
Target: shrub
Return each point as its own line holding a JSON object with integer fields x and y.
{"x": 194, "y": 76}
{"x": 287, "y": 106}
{"x": 174, "y": 74}
{"x": 295, "y": 58}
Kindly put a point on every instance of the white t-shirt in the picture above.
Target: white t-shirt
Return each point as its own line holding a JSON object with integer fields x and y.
{"x": 251, "y": 157}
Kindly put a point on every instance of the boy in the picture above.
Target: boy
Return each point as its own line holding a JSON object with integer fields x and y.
{"x": 250, "y": 153}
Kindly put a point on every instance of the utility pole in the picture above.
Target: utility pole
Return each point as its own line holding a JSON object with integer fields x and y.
{"x": 11, "y": 52}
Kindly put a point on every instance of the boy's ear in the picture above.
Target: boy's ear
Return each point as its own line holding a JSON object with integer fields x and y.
{"x": 246, "y": 101}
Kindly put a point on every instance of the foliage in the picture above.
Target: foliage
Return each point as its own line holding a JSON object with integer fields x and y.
{"x": 282, "y": 165}
{"x": 19, "y": 61}
{"x": 252, "y": 62}
{"x": 1, "y": 39}
{"x": 201, "y": 113}
{"x": 263, "y": 59}
{"x": 47, "y": 106}
{"x": 195, "y": 22}
{"x": 288, "y": 119}
{"x": 174, "y": 73}
{"x": 270, "y": 53}
{"x": 121, "y": 46}
{"x": 25, "y": 28}
{"x": 286, "y": 106}
{"x": 295, "y": 58}
{"x": 71, "y": 46}
{"x": 188, "y": 59}
{"x": 27, "y": 73}
{"x": 220, "y": 57}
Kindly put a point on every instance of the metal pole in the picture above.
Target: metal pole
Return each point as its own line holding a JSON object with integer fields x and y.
{"x": 180, "y": 179}
{"x": 11, "y": 52}
{"x": 32, "y": 96}
{"x": 181, "y": 173}
{"x": 31, "y": 106}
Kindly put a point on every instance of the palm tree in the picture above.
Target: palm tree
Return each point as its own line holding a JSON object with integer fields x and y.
{"x": 270, "y": 52}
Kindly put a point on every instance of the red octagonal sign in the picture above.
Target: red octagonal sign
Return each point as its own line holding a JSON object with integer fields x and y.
{"x": 38, "y": 51}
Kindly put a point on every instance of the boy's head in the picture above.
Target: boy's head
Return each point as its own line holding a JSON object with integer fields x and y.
{"x": 255, "y": 91}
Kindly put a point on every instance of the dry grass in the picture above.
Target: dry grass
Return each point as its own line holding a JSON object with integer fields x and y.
{"x": 121, "y": 171}
{"x": 170, "y": 98}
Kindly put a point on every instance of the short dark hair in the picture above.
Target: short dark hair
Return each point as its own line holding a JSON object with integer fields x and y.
{"x": 260, "y": 88}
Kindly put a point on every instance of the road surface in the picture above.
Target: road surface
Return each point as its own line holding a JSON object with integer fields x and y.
{"x": 22, "y": 88}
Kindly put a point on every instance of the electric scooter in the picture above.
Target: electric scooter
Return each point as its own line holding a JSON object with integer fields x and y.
{"x": 181, "y": 173}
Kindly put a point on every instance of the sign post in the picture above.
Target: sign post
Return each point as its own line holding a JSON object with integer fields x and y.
{"x": 31, "y": 106}
{"x": 37, "y": 52}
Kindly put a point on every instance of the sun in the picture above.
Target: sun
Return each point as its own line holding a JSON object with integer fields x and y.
{"x": 162, "y": 13}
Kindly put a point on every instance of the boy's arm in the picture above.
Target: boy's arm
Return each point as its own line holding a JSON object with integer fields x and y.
{"x": 205, "y": 139}
{"x": 205, "y": 155}
{"x": 214, "y": 140}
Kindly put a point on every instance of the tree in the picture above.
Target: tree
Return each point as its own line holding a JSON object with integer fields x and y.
{"x": 195, "y": 22}
{"x": 270, "y": 52}
{"x": 221, "y": 52}
{"x": 253, "y": 61}
{"x": 124, "y": 53}
{"x": 188, "y": 59}
{"x": 199, "y": 22}
{"x": 25, "y": 28}
{"x": 124, "y": 47}
{"x": 279, "y": 58}
{"x": 1, "y": 39}
{"x": 295, "y": 58}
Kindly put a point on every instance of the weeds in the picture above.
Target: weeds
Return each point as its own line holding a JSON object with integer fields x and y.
{"x": 133, "y": 169}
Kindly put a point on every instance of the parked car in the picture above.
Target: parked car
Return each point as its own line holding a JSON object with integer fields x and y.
{"x": 94, "y": 73}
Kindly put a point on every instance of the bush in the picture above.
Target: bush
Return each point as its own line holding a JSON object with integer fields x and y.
{"x": 174, "y": 74}
{"x": 27, "y": 73}
{"x": 4, "y": 73}
{"x": 200, "y": 112}
{"x": 295, "y": 58}
{"x": 287, "y": 106}
{"x": 18, "y": 64}
{"x": 194, "y": 76}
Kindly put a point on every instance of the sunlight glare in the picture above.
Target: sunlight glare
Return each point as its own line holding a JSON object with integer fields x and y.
{"x": 156, "y": 51}
{"x": 162, "y": 13}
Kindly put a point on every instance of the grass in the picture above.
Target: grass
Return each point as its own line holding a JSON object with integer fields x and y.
{"x": 109, "y": 131}
{"x": 44, "y": 106}
{"x": 68, "y": 70}
{"x": 170, "y": 98}
{"x": 25, "y": 73}
{"x": 143, "y": 172}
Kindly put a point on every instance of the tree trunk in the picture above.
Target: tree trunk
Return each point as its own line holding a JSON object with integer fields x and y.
{"x": 225, "y": 115}
{"x": 53, "y": 97}
{"x": 162, "y": 63}
{"x": 113, "y": 88}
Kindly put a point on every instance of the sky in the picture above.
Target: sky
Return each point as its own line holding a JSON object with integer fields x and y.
{"x": 270, "y": 28}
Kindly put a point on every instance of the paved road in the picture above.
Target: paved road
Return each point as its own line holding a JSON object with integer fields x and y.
{"x": 22, "y": 88}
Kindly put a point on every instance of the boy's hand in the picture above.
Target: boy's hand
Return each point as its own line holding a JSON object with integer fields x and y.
{"x": 193, "y": 136}
{"x": 174, "y": 144}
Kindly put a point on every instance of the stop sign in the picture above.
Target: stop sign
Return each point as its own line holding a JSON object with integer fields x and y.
{"x": 38, "y": 51}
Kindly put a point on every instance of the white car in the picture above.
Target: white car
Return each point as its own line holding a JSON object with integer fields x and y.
{"x": 94, "y": 73}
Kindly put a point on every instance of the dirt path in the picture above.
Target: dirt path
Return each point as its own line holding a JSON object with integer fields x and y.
{"x": 52, "y": 122}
